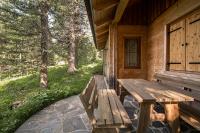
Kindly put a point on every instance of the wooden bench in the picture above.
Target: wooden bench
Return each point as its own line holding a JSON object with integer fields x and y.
{"x": 188, "y": 84}
{"x": 103, "y": 106}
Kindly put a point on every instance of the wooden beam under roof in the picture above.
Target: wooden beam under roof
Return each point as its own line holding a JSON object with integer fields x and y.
{"x": 102, "y": 32}
{"x": 100, "y": 28}
{"x": 103, "y": 38}
{"x": 120, "y": 10}
{"x": 105, "y": 5}
{"x": 103, "y": 22}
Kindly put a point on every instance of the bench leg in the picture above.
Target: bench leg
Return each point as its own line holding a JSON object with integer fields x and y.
{"x": 172, "y": 116}
{"x": 144, "y": 117}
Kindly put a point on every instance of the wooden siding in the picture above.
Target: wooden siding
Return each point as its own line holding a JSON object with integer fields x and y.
{"x": 157, "y": 35}
{"x": 143, "y": 12}
{"x": 131, "y": 31}
{"x": 109, "y": 59}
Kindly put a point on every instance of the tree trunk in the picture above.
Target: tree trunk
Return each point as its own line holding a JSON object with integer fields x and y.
{"x": 44, "y": 44}
{"x": 71, "y": 49}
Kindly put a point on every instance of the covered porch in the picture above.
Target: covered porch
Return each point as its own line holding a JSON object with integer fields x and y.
{"x": 153, "y": 40}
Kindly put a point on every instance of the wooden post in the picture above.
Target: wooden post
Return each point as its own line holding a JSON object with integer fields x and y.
{"x": 144, "y": 117}
{"x": 172, "y": 116}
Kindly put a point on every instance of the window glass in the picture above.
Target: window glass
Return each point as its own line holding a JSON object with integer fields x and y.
{"x": 132, "y": 52}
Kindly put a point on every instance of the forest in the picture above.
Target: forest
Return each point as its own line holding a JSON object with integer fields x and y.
{"x": 45, "y": 46}
{"x": 37, "y": 34}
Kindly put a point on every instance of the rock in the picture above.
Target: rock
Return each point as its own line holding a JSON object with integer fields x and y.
{"x": 16, "y": 104}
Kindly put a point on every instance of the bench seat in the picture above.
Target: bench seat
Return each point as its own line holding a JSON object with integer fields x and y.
{"x": 188, "y": 84}
{"x": 103, "y": 105}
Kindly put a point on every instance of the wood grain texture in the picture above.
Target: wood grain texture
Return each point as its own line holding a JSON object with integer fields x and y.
{"x": 120, "y": 10}
{"x": 193, "y": 42}
{"x": 156, "y": 34}
{"x": 144, "y": 117}
{"x": 172, "y": 116}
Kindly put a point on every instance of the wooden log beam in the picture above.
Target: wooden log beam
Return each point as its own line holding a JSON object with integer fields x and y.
{"x": 120, "y": 10}
{"x": 103, "y": 22}
{"x": 99, "y": 33}
{"x": 101, "y": 28}
{"x": 105, "y": 5}
{"x": 102, "y": 40}
{"x": 102, "y": 35}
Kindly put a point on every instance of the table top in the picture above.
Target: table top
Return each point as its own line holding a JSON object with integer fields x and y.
{"x": 148, "y": 91}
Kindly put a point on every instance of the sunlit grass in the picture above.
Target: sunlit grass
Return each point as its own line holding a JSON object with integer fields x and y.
{"x": 32, "y": 98}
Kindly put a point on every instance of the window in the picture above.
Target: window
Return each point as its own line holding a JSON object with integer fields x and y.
{"x": 132, "y": 52}
{"x": 184, "y": 44}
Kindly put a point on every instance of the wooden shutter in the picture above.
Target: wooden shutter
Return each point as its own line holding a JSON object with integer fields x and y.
{"x": 193, "y": 42}
{"x": 176, "y": 46}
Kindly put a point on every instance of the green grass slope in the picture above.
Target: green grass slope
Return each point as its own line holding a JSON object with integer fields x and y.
{"x": 32, "y": 98}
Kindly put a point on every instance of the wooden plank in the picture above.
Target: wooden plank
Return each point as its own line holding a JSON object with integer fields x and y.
{"x": 115, "y": 112}
{"x": 102, "y": 37}
{"x": 104, "y": 116}
{"x": 138, "y": 92}
{"x": 103, "y": 22}
{"x": 172, "y": 116}
{"x": 144, "y": 117}
{"x": 89, "y": 85}
{"x": 107, "y": 109}
{"x": 177, "y": 46}
{"x": 121, "y": 109}
{"x": 182, "y": 78}
{"x": 165, "y": 92}
{"x": 193, "y": 42}
{"x": 102, "y": 32}
{"x": 99, "y": 79}
{"x": 92, "y": 95}
{"x": 190, "y": 120}
{"x": 120, "y": 10}
{"x": 105, "y": 5}
{"x": 99, "y": 115}
{"x": 85, "y": 95}
{"x": 180, "y": 83}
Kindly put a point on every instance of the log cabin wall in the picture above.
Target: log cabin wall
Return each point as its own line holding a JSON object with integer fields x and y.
{"x": 109, "y": 55}
{"x": 106, "y": 59}
{"x": 128, "y": 31}
{"x": 133, "y": 23}
{"x": 157, "y": 35}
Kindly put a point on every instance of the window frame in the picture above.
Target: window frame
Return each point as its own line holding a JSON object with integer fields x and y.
{"x": 138, "y": 66}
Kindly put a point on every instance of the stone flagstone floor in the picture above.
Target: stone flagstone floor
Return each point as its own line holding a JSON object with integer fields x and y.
{"x": 68, "y": 116}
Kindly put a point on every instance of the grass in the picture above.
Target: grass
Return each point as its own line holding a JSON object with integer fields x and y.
{"x": 32, "y": 98}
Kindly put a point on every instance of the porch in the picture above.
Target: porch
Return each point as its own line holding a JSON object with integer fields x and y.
{"x": 154, "y": 40}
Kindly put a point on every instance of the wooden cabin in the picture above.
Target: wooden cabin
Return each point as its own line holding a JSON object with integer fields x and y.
{"x": 142, "y": 38}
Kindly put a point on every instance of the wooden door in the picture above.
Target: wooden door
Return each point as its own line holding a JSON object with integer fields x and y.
{"x": 177, "y": 46}
{"x": 193, "y": 42}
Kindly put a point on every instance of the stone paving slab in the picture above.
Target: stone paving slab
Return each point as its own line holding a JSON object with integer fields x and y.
{"x": 65, "y": 116}
{"x": 69, "y": 116}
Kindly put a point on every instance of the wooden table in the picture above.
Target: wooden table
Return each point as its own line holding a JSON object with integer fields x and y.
{"x": 147, "y": 93}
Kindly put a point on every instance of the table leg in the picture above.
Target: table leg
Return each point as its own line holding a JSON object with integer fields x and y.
{"x": 144, "y": 117}
{"x": 172, "y": 116}
{"x": 119, "y": 89}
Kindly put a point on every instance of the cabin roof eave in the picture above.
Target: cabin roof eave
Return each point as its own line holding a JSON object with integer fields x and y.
{"x": 101, "y": 14}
